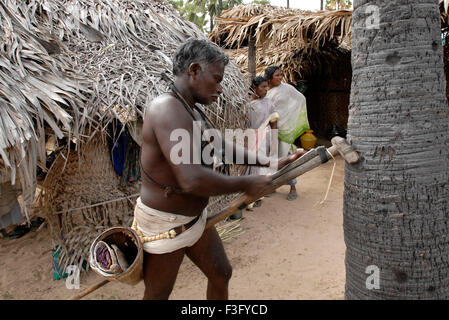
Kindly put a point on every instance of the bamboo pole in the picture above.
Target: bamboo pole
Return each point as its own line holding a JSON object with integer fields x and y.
{"x": 252, "y": 55}
{"x": 89, "y": 290}
{"x": 295, "y": 169}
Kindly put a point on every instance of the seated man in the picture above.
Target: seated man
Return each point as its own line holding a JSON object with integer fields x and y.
{"x": 175, "y": 195}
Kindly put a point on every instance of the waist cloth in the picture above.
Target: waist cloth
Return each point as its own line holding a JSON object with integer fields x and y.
{"x": 152, "y": 222}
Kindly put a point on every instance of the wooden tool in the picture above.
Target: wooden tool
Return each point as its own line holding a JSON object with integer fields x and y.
{"x": 305, "y": 163}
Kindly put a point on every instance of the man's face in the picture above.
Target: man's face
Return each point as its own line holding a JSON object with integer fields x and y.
{"x": 207, "y": 82}
{"x": 277, "y": 78}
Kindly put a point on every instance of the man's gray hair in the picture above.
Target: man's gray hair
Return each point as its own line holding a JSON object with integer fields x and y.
{"x": 194, "y": 50}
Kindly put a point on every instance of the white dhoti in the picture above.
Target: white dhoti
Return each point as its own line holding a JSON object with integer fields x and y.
{"x": 152, "y": 222}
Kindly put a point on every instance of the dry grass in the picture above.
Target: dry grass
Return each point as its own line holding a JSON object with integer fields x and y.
{"x": 229, "y": 229}
{"x": 301, "y": 42}
{"x": 67, "y": 68}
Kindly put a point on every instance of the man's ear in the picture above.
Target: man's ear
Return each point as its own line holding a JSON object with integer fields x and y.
{"x": 194, "y": 69}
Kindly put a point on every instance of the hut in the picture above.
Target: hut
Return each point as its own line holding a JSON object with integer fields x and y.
{"x": 313, "y": 49}
{"x": 75, "y": 77}
{"x": 444, "y": 8}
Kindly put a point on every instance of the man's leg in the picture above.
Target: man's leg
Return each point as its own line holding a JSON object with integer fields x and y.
{"x": 209, "y": 255}
{"x": 160, "y": 272}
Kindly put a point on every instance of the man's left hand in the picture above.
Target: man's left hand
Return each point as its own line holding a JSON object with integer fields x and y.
{"x": 288, "y": 159}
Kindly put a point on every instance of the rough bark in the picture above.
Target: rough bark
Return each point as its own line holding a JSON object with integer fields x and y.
{"x": 396, "y": 213}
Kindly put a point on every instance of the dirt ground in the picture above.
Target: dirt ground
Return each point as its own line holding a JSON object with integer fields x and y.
{"x": 288, "y": 250}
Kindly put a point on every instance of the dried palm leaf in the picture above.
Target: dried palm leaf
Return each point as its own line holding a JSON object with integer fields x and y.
{"x": 301, "y": 42}
{"x": 69, "y": 67}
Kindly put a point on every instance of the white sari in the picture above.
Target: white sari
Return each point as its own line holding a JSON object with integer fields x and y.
{"x": 292, "y": 109}
{"x": 262, "y": 112}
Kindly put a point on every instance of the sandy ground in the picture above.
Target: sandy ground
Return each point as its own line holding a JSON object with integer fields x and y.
{"x": 288, "y": 250}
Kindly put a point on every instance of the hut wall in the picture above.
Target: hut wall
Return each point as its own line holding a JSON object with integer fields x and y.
{"x": 446, "y": 60}
{"x": 328, "y": 98}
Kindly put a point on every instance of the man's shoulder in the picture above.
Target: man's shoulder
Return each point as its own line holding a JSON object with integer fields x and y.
{"x": 166, "y": 109}
{"x": 162, "y": 102}
{"x": 163, "y": 106}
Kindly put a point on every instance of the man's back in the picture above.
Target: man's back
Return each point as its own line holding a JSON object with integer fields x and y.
{"x": 165, "y": 112}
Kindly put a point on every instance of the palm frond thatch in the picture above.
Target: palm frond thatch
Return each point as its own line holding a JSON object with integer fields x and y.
{"x": 295, "y": 65}
{"x": 278, "y": 25}
{"x": 301, "y": 42}
{"x": 69, "y": 67}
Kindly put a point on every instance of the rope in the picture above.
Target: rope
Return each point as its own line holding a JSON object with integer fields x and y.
{"x": 165, "y": 235}
{"x": 98, "y": 204}
{"x": 330, "y": 180}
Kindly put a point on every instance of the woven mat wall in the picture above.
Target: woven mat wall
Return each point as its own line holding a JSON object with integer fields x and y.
{"x": 446, "y": 60}
{"x": 81, "y": 197}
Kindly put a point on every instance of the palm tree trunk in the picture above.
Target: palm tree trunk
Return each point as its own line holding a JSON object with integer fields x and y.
{"x": 396, "y": 215}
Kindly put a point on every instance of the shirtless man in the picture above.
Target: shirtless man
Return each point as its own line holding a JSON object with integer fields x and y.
{"x": 173, "y": 195}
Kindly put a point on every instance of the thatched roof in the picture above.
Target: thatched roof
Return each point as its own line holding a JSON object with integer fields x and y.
{"x": 302, "y": 64}
{"x": 279, "y": 25}
{"x": 297, "y": 40}
{"x": 67, "y": 67}
{"x": 302, "y": 42}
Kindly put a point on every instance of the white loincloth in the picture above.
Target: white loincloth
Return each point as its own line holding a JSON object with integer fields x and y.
{"x": 152, "y": 222}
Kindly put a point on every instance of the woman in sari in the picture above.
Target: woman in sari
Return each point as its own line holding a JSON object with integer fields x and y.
{"x": 291, "y": 107}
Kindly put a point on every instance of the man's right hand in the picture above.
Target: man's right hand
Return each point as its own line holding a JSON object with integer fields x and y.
{"x": 256, "y": 184}
{"x": 290, "y": 158}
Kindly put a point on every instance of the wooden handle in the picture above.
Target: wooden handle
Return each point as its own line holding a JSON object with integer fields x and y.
{"x": 300, "y": 166}
{"x": 89, "y": 290}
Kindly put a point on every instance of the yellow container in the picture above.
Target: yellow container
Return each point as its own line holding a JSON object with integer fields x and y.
{"x": 308, "y": 140}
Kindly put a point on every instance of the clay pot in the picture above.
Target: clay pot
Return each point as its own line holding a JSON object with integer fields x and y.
{"x": 308, "y": 140}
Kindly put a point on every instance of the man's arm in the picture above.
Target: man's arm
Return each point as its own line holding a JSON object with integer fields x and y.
{"x": 240, "y": 153}
{"x": 166, "y": 116}
{"x": 261, "y": 159}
